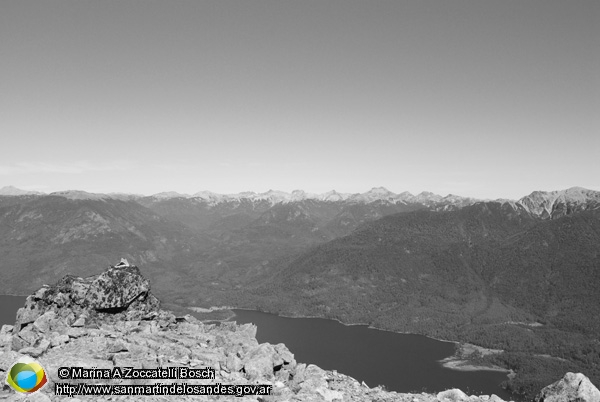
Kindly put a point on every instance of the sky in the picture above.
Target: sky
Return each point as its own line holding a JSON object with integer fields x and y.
{"x": 488, "y": 99}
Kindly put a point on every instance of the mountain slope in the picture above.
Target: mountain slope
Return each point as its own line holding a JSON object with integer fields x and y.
{"x": 457, "y": 264}
{"x": 41, "y": 236}
{"x": 491, "y": 273}
{"x": 554, "y": 204}
{"x": 403, "y": 262}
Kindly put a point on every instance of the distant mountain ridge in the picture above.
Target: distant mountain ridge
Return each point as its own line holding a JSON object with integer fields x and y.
{"x": 554, "y": 204}
{"x": 272, "y": 196}
{"x": 13, "y": 191}
{"x": 546, "y": 204}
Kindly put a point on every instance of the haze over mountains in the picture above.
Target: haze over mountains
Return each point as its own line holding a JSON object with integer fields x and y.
{"x": 215, "y": 237}
{"x": 518, "y": 275}
{"x": 537, "y": 199}
{"x": 273, "y": 196}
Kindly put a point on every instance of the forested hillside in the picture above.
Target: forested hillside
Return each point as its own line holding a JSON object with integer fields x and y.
{"x": 490, "y": 274}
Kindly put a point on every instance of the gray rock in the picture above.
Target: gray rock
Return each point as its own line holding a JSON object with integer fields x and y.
{"x": 28, "y": 314}
{"x": 125, "y": 360}
{"x": 573, "y": 387}
{"x": 37, "y": 397}
{"x": 76, "y": 332}
{"x": 79, "y": 322}
{"x": 116, "y": 288}
{"x": 44, "y": 322}
{"x": 38, "y": 350}
{"x": 118, "y": 346}
{"x": 330, "y": 395}
{"x": 261, "y": 361}
{"x": 313, "y": 377}
{"x": 41, "y": 292}
{"x": 25, "y": 338}
{"x": 452, "y": 395}
{"x": 6, "y": 336}
{"x": 57, "y": 339}
{"x": 233, "y": 363}
{"x": 286, "y": 355}
{"x": 214, "y": 358}
{"x": 79, "y": 289}
{"x": 8, "y": 358}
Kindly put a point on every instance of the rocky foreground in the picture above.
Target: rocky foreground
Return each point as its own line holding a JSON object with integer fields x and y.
{"x": 112, "y": 320}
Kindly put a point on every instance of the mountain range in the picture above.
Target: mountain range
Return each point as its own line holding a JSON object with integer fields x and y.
{"x": 271, "y": 196}
{"x": 517, "y": 275}
{"x": 538, "y": 202}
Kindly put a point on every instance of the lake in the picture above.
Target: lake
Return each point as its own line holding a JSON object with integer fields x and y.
{"x": 9, "y": 306}
{"x": 400, "y": 362}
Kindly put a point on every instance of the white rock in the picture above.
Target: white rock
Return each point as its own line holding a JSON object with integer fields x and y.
{"x": 573, "y": 387}
{"x": 452, "y": 395}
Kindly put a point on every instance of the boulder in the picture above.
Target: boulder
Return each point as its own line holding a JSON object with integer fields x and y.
{"x": 261, "y": 361}
{"x": 5, "y": 336}
{"x": 28, "y": 336}
{"x": 28, "y": 314}
{"x": 35, "y": 351}
{"x": 79, "y": 322}
{"x": 45, "y": 322}
{"x": 234, "y": 363}
{"x": 74, "y": 305}
{"x": 573, "y": 387}
{"x": 114, "y": 290}
{"x": 117, "y": 288}
{"x": 452, "y": 395}
{"x": 57, "y": 339}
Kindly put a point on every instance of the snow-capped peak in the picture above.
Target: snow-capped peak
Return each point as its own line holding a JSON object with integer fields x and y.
{"x": 209, "y": 196}
{"x": 13, "y": 191}
{"x": 333, "y": 196}
{"x": 376, "y": 194}
{"x": 546, "y": 203}
{"x": 170, "y": 194}
{"x": 427, "y": 196}
{"x": 80, "y": 195}
{"x": 273, "y": 196}
{"x": 301, "y": 195}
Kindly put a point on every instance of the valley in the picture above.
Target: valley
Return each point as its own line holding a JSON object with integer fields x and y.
{"x": 518, "y": 276}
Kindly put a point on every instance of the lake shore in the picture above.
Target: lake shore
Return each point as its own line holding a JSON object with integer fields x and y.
{"x": 455, "y": 363}
{"x": 460, "y": 361}
{"x": 210, "y": 309}
{"x": 465, "y": 358}
{"x": 376, "y": 357}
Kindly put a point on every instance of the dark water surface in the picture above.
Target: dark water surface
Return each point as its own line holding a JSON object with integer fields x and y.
{"x": 8, "y": 308}
{"x": 401, "y": 362}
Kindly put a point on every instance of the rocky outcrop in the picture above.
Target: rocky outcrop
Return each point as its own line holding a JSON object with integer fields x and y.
{"x": 53, "y": 313}
{"x": 555, "y": 204}
{"x": 573, "y": 387}
{"x": 77, "y": 299}
{"x": 112, "y": 320}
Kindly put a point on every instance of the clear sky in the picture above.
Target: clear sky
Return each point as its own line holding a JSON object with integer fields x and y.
{"x": 473, "y": 97}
